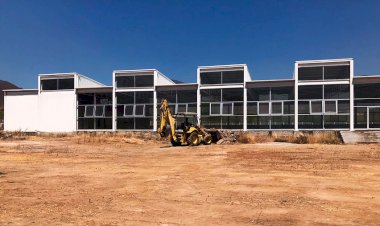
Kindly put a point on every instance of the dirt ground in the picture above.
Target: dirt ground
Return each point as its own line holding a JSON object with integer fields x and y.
{"x": 60, "y": 181}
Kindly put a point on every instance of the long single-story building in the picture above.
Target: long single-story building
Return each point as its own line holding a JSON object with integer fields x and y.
{"x": 322, "y": 95}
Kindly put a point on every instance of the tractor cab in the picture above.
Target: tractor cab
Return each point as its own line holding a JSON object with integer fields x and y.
{"x": 185, "y": 121}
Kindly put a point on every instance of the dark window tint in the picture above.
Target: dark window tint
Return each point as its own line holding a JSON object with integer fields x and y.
{"x": 258, "y": 94}
{"x": 99, "y": 111}
{"x": 310, "y": 92}
{"x": 330, "y": 106}
{"x": 367, "y": 90}
{"x": 86, "y": 123}
{"x": 103, "y": 98}
{"x": 238, "y": 109}
{"x": 211, "y": 77}
{"x": 125, "y": 81}
{"x": 170, "y": 96}
{"x": 360, "y": 116}
{"x": 310, "y": 73}
{"x": 143, "y": 80}
{"x": 125, "y": 98}
{"x": 336, "y": 121}
{"x": 49, "y": 84}
{"x": 303, "y": 107}
{"x": 144, "y": 97}
{"x": 282, "y": 122}
{"x": 128, "y": 110}
{"x": 187, "y": 96}
{"x": 263, "y": 108}
{"x": 67, "y": 83}
{"x": 103, "y": 123}
{"x": 337, "y": 72}
{"x": 210, "y": 95}
{"x": 139, "y": 110}
{"x": 337, "y": 91}
{"x": 288, "y": 107}
{"x": 276, "y": 108}
{"x": 233, "y": 94}
{"x": 316, "y": 106}
{"x": 87, "y": 98}
{"x": 252, "y": 108}
{"x": 227, "y": 109}
{"x": 343, "y": 106}
{"x": 232, "y": 77}
{"x": 282, "y": 93}
{"x": 215, "y": 109}
{"x": 310, "y": 121}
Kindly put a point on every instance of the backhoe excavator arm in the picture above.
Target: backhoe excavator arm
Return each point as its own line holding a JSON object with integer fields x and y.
{"x": 167, "y": 120}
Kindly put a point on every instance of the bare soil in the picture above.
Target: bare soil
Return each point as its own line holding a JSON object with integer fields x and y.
{"x": 61, "y": 181}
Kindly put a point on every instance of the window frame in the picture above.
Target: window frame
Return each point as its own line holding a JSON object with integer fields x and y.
{"x": 232, "y": 109}
{"x": 103, "y": 111}
{"x": 258, "y": 108}
{"x": 85, "y": 111}
{"x": 311, "y": 108}
{"x": 220, "y": 109}
{"x": 282, "y": 108}
{"x": 143, "y": 110}
{"x": 330, "y": 112}
{"x": 133, "y": 110}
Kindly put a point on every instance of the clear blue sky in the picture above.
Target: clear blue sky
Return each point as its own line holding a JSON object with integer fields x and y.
{"x": 96, "y": 37}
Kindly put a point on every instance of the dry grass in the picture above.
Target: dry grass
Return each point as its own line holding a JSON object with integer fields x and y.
{"x": 86, "y": 137}
{"x": 251, "y": 138}
{"x": 297, "y": 138}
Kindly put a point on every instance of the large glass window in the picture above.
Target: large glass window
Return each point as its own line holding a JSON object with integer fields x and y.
{"x": 94, "y": 111}
{"x": 310, "y": 73}
{"x": 222, "y": 77}
{"x": 337, "y": 72}
{"x": 211, "y": 78}
{"x": 310, "y": 92}
{"x": 258, "y": 94}
{"x": 232, "y": 77}
{"x": 337, "y": 91}
{"x": 222, "y": 108}
{"x": 321, "y": 104}
{"x": 57, "y": 84}
{"x": 324, "y": 73}
{"x": 132, "y": 81}
{"x": 282, "y": 93}
{"x": 270, "y": 107}
{"x": 367, "y": 106}
{"x": 134, "y": 110}
{"x": 367, "y": 90}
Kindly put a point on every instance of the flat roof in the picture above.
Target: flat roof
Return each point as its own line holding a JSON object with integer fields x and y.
{"x": 222, "y": 66}
{"x": 324, "y": 61}
{"x": 11, "y": 92}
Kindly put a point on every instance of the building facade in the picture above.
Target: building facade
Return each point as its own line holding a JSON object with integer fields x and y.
{"x": 322, "y": 95}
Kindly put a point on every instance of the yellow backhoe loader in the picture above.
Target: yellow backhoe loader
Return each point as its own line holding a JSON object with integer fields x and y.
{"x": 182, "y": 128}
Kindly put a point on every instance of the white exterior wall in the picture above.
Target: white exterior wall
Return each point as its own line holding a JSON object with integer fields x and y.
{"x": 21, "y": 113}
{"x": 57, "y": 111}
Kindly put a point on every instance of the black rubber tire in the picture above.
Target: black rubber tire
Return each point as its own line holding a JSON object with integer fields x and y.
{"x": 193, "y": 139}
{"x": 174, "y": 143}
{"x": 207, "y": 140}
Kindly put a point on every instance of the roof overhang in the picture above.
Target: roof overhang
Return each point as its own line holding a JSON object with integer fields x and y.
{"x": 270, "y": 83}
{"x": 366, "y": 79}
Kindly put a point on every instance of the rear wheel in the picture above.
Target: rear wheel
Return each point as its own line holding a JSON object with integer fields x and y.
{"x": 207, "y": 139}
{"x": 193, "y": 139}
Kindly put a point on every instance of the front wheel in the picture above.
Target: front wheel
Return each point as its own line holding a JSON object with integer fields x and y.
{"x": 193, "y": 139}
{"x": 207, "y": 139}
